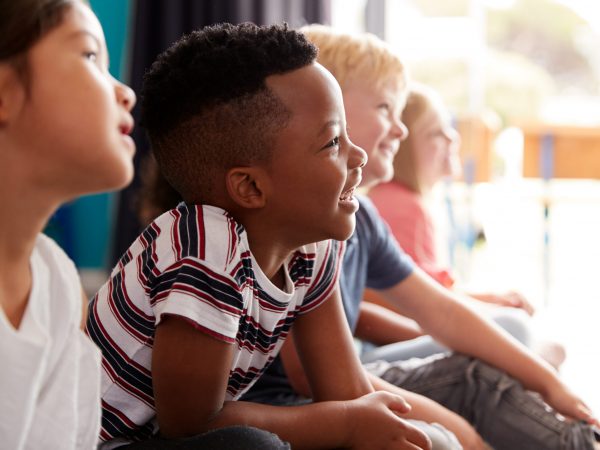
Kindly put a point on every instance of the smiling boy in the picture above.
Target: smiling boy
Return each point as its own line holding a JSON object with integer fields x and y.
{"x": 251, "y": 132}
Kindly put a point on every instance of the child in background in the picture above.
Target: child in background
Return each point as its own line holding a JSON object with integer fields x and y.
{"x": 429, "y": 154}
{"x": 483, "y": 385}
{"x": 251, "y": 133}
{"x": 64, "y": 125}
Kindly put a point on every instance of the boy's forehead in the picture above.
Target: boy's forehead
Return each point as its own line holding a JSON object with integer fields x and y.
{"x": 314, "y": 100}
{"x": 300, "y": 88}
{"x": 393, "y": 90}
{"x": 308, "y": 73}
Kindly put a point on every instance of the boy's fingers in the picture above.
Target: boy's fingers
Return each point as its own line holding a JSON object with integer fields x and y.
{"x": 418, "y": 438}
{"x": 411, "y": 446}
{"x": 587, "y": 414}
{"x": 398, "y": 405}
{"x": 582, "y": 412}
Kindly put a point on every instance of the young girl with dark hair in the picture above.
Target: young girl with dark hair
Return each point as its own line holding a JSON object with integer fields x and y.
{"x": 64, "y": 125}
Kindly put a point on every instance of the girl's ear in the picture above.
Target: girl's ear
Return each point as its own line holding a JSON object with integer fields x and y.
{"x": 246, "y": 186}
{"x": 12, "y": 93}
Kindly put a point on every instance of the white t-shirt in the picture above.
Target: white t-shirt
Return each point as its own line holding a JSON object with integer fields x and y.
{"x": 50, "y": 376}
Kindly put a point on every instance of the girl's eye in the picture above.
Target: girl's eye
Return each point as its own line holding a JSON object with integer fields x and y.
{"x": 385, "y": 107}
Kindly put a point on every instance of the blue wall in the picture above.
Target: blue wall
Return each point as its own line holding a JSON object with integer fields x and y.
{"x": 84, "y": 227}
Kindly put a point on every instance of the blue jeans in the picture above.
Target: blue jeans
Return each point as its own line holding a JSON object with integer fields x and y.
{"x": 504, "y": 414}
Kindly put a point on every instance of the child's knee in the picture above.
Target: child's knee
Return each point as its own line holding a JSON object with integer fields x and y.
{"x": 516, "y": 322}
{"x": 440, "y": 437}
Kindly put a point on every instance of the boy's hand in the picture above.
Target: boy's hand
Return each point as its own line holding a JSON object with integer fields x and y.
{"x": 510, "y": 299}
{"x": 569, "y": 405}
{"x": 374, "y": 424}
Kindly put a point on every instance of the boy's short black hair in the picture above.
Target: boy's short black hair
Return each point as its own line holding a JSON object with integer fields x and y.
{"x": 206, "y": 105}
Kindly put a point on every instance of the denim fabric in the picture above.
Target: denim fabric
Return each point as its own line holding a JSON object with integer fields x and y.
{"x": 229, "y": 438}
{"x": 504, "y": 414}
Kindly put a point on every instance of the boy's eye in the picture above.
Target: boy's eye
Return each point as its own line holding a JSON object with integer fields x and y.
{"x": 335, "y": 142}
{"x": 92, "y": 56}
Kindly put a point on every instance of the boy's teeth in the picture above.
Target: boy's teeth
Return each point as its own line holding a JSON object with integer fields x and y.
{"x": 347, "y": 195}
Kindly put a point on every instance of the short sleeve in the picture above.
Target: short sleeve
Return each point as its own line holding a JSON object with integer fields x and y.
{"x": 388, "y": 263}
{"x": 325, "y": 275}
{"x": 207, "y": 298}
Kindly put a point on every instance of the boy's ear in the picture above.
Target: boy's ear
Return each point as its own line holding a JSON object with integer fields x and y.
{"x": 246, "y": 186}
{"x": 11, "y": 92}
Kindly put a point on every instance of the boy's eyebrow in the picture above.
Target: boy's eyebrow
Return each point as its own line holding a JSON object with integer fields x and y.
{"x": 329, "y": 124}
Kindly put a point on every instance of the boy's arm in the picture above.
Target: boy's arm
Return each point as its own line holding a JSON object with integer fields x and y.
{"x": 381, "y": 326}
{"x": 510, "y": 299}
{"x": 190, "y": 370}
{"x": 446, "y": 317}
{"x": 326, "y": 352}
{"x": 427, "y": 410}
{"x": 422, "y": 408}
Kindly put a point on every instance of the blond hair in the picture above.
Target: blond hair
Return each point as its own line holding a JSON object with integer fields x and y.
{"x": 420, "y": 101}
{"x": 364, "y": 57}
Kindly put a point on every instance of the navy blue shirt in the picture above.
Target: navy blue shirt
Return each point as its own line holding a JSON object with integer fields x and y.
{"x": 373, "y": 259}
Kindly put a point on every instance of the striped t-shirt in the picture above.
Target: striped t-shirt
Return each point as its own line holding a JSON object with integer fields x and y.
{"x": 195, "y": 262}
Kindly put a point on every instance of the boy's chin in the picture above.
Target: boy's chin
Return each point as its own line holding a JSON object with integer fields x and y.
{"x": 344, "y": 231}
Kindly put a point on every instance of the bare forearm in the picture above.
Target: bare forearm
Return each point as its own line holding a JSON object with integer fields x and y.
{"x": 382, "y": 326}
{"x": 427, "y": 410}
{"x": 315, "y": 426}
{"x": 446, "y": 317}
{"x": 494, "y": 346}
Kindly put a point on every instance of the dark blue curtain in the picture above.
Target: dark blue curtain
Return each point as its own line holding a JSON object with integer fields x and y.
{"x": 157, "y": 24}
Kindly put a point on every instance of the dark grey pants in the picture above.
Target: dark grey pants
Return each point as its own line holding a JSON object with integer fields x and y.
{"x": 505, "y": 415}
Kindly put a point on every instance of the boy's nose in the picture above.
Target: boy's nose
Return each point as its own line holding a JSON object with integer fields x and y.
{"x": 358, "y": 157}
{"x": 454, "y": 137}
{"x": 400, "y": 129}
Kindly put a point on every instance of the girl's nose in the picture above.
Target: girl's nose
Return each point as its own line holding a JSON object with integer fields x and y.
{"x": 125, "y": 95}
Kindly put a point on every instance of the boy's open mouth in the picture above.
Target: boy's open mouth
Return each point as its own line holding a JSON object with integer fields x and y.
{"x": 347, "y": 195}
